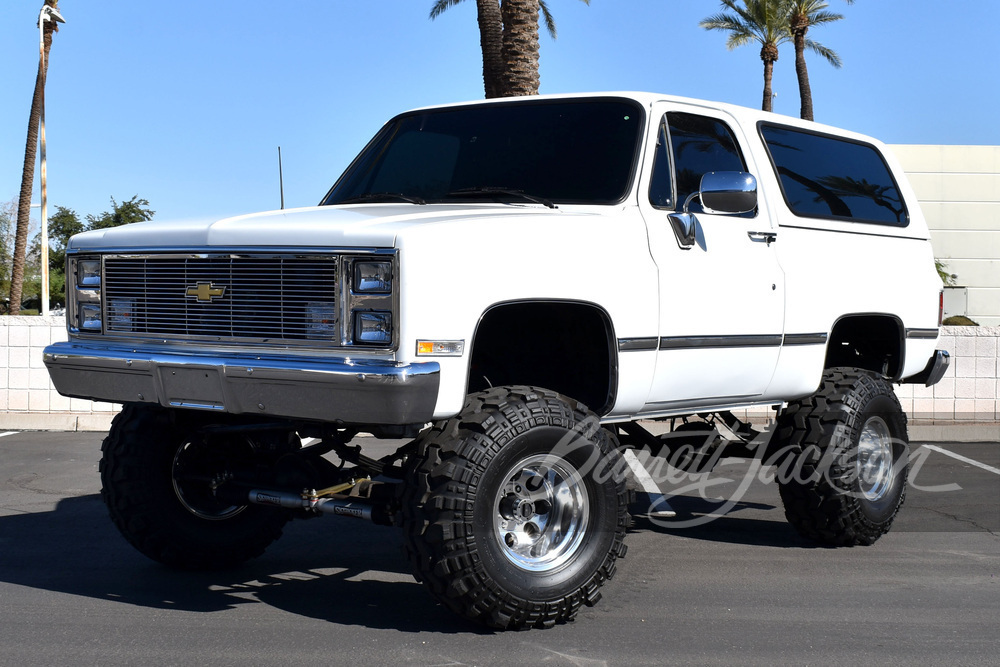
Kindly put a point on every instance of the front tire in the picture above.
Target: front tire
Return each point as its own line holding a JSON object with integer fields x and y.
{"x": 515, "y": 511}
{"x": 152, "y": 472}
{"x": 843, "y": 459}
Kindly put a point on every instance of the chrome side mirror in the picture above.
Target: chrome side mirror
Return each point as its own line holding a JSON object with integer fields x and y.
{"x": 725, "y": 192}
{"x": 730, "y": 192}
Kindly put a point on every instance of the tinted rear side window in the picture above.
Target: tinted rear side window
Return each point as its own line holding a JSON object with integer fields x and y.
{"x": 829, "y": 177}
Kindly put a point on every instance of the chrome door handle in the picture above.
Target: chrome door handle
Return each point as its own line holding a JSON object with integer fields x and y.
{"x": 767, "y": 237}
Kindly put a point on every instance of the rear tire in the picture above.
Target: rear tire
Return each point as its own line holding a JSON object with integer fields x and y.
{"x": 515, "y": 511}
{"x": 146, "y": 469}
{"x": 843, "y": 459}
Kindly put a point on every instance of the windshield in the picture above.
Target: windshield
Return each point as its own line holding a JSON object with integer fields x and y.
{"x": 565, "y": 151}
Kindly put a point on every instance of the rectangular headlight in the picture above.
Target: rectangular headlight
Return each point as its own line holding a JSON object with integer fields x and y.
{"x": 83, "y": 295}
{"x": 373, "y": 277}
{"x": 373, "y": 328}
{"x": 90, "y": 316}
{"x": 88, "y": 273}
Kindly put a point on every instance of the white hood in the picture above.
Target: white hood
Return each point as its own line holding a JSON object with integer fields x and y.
{"x": 364, "y": 226}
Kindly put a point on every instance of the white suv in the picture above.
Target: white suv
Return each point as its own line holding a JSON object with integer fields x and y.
{"x": 511, "y": 285}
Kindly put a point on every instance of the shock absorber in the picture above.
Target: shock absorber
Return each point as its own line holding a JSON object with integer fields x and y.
{"x": 325, "y": 502}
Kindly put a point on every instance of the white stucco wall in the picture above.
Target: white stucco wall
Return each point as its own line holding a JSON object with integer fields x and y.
{"x": 968, "y": 393}
{"x": 959, "y": 192}
{"x": 27, "y": 398}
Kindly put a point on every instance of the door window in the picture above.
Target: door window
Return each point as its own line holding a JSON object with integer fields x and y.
{"x": 695, "y": 145}
{"x": 700, "y": 145}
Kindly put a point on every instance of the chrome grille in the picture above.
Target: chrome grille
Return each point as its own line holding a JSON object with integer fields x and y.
{"x": 286, "y": 297}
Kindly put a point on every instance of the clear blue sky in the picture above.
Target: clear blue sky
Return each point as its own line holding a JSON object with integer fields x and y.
{"x": 185, "y": 102}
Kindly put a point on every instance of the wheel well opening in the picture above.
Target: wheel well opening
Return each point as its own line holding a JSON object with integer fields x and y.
{"x": 565, "y": 347}
{"x": 872, "y": 342}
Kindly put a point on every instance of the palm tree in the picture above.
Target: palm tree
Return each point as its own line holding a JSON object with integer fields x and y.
{"x": 28, "y": 169}
{"x": 805, "y": 14}
{"x": 508, "y": 36}
{"x": 490, "y": 41}
{"x": 520, "y": 46}
{"x": 762, "y": 21}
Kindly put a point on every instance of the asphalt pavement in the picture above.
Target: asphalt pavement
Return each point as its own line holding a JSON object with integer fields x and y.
{"x": 741, "y": 588}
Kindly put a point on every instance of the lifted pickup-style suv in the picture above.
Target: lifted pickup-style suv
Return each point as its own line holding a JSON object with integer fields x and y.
{"x": 510, "y": 286}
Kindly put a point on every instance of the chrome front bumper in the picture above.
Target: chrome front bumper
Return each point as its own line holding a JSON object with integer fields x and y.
{"x": 351, "y": 391}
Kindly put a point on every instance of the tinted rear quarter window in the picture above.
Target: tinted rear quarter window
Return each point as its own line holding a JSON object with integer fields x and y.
{"x": 833, "y": 178}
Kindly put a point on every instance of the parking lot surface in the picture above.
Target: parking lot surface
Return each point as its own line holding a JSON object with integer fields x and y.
{"x": 741, "y": 588}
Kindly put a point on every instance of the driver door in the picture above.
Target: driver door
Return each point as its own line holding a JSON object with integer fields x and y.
{"x": 721, "y": 299}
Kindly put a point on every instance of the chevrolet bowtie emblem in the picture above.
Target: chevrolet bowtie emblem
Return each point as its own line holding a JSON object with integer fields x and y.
{"x": 205, "y": 292}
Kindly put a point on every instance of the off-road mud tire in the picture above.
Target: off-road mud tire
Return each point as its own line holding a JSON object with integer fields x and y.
{"x": 826, "y": 496}
{"x": 139, "y": 492}
{"x": 453, "y": 493}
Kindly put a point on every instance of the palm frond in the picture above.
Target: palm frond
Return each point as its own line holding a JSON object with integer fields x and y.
{"x": 718, "y": 22}
{"x": 730, "y": 22}
{"x": 733, "y": 5}
{"x": 739, "y": 33}
{"x": 757, "y": 21}
{"x": 441, "y": 5}
{"x": 830, "y": 55}
{"x": 820, "y": 18}
{"x": 550, "y": 23}
{"x": 744, "y": 12}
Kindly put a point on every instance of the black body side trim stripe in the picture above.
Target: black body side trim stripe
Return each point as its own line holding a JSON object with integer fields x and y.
{"x": 696, "y": 342}
{"x": 636, "y": 344}
{"x": 921, "y": 333}
{"x": 805, "y": 339}
{"x": 685, "y": 342}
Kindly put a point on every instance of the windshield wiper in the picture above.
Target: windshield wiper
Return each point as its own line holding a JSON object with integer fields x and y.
{"x": 382, "y": 196}
{"x": 492, "y": 192}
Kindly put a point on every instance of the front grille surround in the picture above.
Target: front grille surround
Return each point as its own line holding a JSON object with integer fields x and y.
{"x": 293, "y": 299}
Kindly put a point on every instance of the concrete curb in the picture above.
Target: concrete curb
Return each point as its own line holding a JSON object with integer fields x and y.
{"x": 55, "y": 421}
{"x": 955, "y": 432}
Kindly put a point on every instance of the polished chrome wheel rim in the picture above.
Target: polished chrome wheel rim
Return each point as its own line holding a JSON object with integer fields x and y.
{"x": 541, "y": 513}
{"x": 192, "y": 461}
{"x": 875, "y": 464}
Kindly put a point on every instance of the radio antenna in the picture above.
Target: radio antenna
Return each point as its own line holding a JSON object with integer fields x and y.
{"x": 281, "y": 180}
